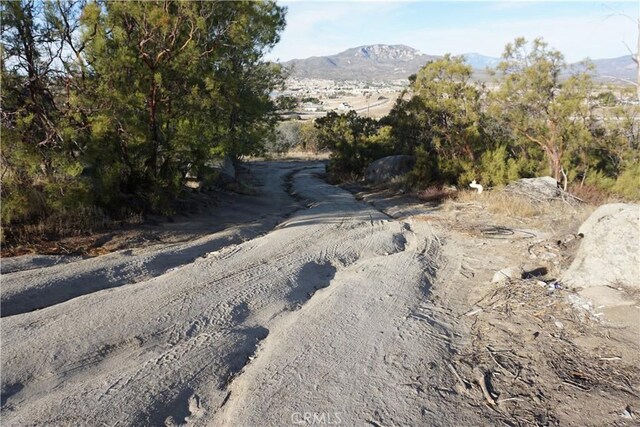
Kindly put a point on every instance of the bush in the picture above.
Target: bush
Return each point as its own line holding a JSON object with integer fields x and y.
{"x": 494, "y": 167}
{"x": 355, "y": 142}
{"x": 627, "y": 184}
{"x": 80, "y": 220}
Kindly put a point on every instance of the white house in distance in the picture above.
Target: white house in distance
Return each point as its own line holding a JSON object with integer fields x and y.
{"x": 343, "y": 106}
{"x": 311, "y": 107}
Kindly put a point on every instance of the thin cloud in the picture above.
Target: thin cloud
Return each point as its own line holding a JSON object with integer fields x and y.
{"x": 578, "y": 30}
{"x": 568, "y": 35}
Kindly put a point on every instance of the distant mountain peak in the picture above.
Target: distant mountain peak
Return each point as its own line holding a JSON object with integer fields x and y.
{"x": 368, "y": 62}
{"x": 385, "y": 52}
{"x": 479, "y": 61}
{"x": 393, "y": 62}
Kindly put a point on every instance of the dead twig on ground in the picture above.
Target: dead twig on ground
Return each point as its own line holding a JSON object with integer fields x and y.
{"x": 464, "y": 385}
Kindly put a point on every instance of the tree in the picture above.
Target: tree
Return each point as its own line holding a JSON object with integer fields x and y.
{"x": 537, "y": 105}
{"x": 309, "y": 137}
{"x": 179, "y": 83}
{"x": 441, "y": 120}
{"x": 40, "y": 158}
{"x": 286, "y": 103}
{"x": 245, "y": 81}
{"x": 353, "y": 141}
{"x": 112, "y": 104}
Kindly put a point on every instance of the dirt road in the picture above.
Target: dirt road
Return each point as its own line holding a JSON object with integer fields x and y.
{"x": 337, "y": 315}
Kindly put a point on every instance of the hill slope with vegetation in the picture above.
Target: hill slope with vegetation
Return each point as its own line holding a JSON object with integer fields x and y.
{"x": 533, "y": 122}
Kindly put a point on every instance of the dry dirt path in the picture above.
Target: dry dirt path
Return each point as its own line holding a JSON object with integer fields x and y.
{"x": 29, "y": 286}
{"x": 326, "y": 318}
{"x": 319, "y": 309}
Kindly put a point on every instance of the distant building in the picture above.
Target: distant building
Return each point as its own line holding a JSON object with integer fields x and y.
{"x": 344, "y": 107}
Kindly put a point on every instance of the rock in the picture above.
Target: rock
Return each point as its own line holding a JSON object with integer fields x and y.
{"x": 606, "y": 296}
{"x": 507, "y": 273}
{"x": 609, "y": 254}
{"x": 542, "y": 188}
{"x": 193, "y": 184}
{"x": 226, "y": 170}
{"x": 387, "y": 168}
{"x": 559, "y": 324}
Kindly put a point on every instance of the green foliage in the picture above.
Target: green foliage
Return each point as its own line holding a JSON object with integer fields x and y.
{"x": 311, "y": 99}
{"x": 286, "y": 103}
{"x": 494, "y": 167}
{"x": 537, "y": 121}
{"x": 627, "y": 184}
{"x": 113, "y": 103}
{"x": 309, "y": 137}
{"x": 443, "y": 119}
{"x": 606, "y": 99}
{"x": 287, "y": 137}
{"x": 355, "y": 142}
{"x": 426, "y": 168}
{"x": 540, "y": 107}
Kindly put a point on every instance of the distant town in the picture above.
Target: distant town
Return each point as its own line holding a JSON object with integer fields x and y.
{"x": 316, "y": 97}
{"x": 312, "y": 98}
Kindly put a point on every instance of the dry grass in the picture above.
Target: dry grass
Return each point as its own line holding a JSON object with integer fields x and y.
{"x": 68, "y": 223}
{"x": 592, "y": 195}
{"x": 436, "y": 194}
{"x": 518, "y": 206}
{"x": 501, "y": 203}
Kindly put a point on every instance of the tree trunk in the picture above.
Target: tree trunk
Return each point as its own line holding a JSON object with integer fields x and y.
{"x": 555, "y": 164}
{"x": 556, "y": 168}
{"x": 153, "y": 130}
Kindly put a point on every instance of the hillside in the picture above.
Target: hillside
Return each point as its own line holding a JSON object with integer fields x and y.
{"x": 393, "y": 62}
{"x": 373, "y": 62}
{"x": 621, "y": 67}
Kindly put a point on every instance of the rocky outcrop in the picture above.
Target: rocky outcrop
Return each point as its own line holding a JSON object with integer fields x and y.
{"x": 387, "y": 168}
{"x": 609, "y": 254}
{"x": 541, "y": 188}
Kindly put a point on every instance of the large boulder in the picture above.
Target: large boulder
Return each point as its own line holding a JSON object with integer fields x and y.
{"x": 542, "y": 188}
{"x": 609, "y": 254}
{"x": 387, "y": 168}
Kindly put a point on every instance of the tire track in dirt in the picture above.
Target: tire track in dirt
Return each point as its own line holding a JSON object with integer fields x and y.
{"x": 356, "y": 352}
{"x": 38, "y": 288}
{"x": 164, "y": 350}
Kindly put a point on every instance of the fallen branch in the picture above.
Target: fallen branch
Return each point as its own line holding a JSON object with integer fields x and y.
{"x": 505, "y": 370}
{"x": 452, "y": 369}
{"x": 509, "y": 399}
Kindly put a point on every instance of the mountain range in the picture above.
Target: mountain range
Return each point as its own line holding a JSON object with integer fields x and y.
{"x": 393, "y": 62}
{"x": 372, "y": 62}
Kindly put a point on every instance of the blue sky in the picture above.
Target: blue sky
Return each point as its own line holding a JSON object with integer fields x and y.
{"x": 577, "y": 29}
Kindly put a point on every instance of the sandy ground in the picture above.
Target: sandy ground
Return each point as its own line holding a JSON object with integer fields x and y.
{"x": 319, "y": 308}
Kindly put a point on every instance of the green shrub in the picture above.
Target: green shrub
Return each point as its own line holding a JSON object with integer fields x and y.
{"x": 355, "y": 142}
{"x": 494, "y": 167}
{"x": 627, "y": 184}
{"x": 425, "y": 170}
